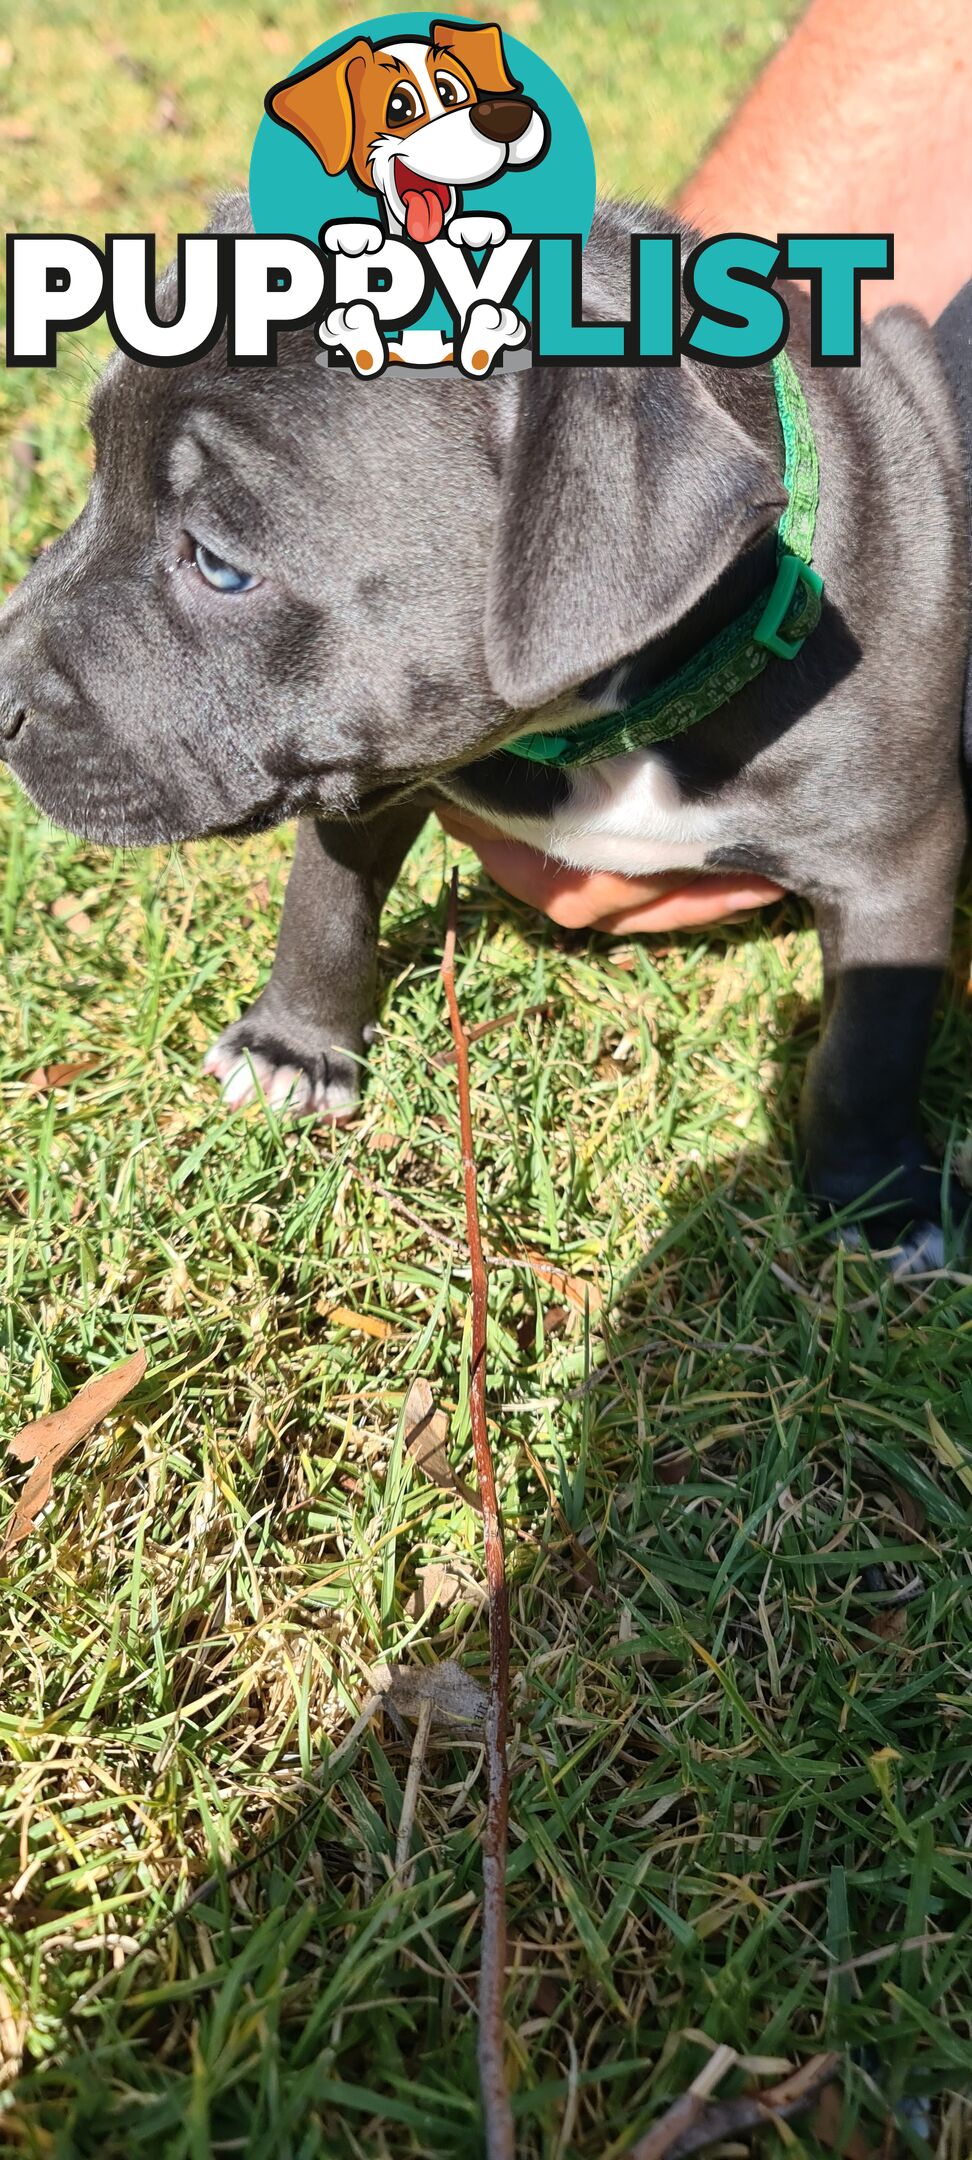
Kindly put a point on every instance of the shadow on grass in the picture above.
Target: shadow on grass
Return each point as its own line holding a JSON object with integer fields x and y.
{"x": 740, "y": 1779}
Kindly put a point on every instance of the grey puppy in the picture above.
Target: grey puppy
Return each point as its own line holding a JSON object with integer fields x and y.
{"x": 291, "y": 595}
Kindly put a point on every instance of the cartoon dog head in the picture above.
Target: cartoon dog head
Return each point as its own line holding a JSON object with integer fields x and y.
{"x": 416, "y": 119}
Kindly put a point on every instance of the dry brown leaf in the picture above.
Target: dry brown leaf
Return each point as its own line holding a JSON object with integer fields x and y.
{"x": 67, "y": 909}
{"x": 426, "y": 1439}
{"x": 47, "y": 1440}
{"x": 572, "y": 1287}
{"x": 68, "y": 903}
{"x": 910, "y": 1510}
{"x": 825, "y": 2124}
{"x": 435, "y": 1586}
{"x": 62, "y": 1075}
{"x": 52, "y": 1076}
{"x": 673, "y": 1469}
{"x": 455, "y": 1696}
{"x": 366, "y": 1323}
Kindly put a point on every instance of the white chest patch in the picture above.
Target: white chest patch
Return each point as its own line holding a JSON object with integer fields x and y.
{"x": 626, "y": 814}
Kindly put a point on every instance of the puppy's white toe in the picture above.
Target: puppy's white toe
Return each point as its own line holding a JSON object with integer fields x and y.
{"x": 300, "y": 1091}
{"x": 287, "y": 1087}
{"x": 920, "y": 1252}
{"x": 282, "y": 1086}
{"x": 240, "y": 1083}
{"x": 334, "y": 1099}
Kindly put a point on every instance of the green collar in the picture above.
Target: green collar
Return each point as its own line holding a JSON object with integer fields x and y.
{"x": 777, "y": 621}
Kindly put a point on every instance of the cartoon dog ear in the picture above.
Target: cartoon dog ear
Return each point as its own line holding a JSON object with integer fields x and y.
{"x": 480, "y": 51}
{"x": 318, "y": 104}
{"x": 625, "y": 494}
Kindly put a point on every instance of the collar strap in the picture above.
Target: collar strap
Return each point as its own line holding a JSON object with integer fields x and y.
{"x": 776, "y": 623}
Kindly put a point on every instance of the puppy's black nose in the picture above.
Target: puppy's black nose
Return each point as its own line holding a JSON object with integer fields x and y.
{"x": 501, "y": 119}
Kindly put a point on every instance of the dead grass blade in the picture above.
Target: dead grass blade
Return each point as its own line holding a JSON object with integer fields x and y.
{"x": 47, "y": 1441}
{"x": 497, "y": 2114}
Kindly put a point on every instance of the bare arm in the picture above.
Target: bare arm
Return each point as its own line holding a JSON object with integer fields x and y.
{"x": 862, "y": 122}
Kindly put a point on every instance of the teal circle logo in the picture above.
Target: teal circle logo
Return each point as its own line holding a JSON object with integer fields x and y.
{"x": 390, "y": 141}
{"x": 291, "y": 192}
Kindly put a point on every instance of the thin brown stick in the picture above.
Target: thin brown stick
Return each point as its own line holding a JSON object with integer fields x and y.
{"x": 497, "y": 2114}
{"x": 487, "y": 1027}
{"x": 694, "y": 2122}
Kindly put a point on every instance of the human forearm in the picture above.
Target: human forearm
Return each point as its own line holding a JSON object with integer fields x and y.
{"x": 861, "y": 123}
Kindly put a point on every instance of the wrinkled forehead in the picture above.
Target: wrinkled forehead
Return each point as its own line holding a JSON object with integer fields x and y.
{"x": 247, "y": 432}
{"x": 287, "y": 443}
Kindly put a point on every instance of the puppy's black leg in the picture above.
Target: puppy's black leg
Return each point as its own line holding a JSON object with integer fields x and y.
{"x": 859, "y": 1114}
{"x": 307, "y": 1031}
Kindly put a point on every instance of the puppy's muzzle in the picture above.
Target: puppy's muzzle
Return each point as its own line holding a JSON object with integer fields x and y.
{"x": 13, "y": 713}
{"x": 501, "y": 119}
{"x": 36, "y": 695}
{"x": 15, "y": 702}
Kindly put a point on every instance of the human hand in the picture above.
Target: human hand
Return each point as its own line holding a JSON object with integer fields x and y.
{"x": 601, "y": 899}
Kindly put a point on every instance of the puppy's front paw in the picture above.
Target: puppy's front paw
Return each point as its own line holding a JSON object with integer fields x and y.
{"x": 903, "y": 1210}
{"x": 354, "y": 329}
{"x": 477, "y": 231}
{"x": 489, "y": 330}
{"x": 358, "y": 236}
{"x": 249, "y": 1060}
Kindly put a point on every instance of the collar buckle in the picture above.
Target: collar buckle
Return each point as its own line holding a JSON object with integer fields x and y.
{"x": 792, "y": 572}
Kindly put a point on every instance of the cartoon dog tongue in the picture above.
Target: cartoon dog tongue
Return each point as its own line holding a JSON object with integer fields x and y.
{"x": 424, "y": 214}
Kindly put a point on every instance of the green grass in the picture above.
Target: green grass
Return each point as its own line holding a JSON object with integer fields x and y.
{"x": 740, "y": 1776}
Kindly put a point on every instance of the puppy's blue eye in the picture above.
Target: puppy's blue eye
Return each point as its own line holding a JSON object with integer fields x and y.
{"x": 222, "y": 576}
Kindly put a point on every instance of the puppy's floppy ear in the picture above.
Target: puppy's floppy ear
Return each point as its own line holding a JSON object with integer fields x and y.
{"x": 318, "y": 104}
{"x": 480, "y": 51}
{"x": 625, "y": 494}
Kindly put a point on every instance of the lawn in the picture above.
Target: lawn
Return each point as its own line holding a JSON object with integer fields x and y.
{"x": 735, "y": 1463}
